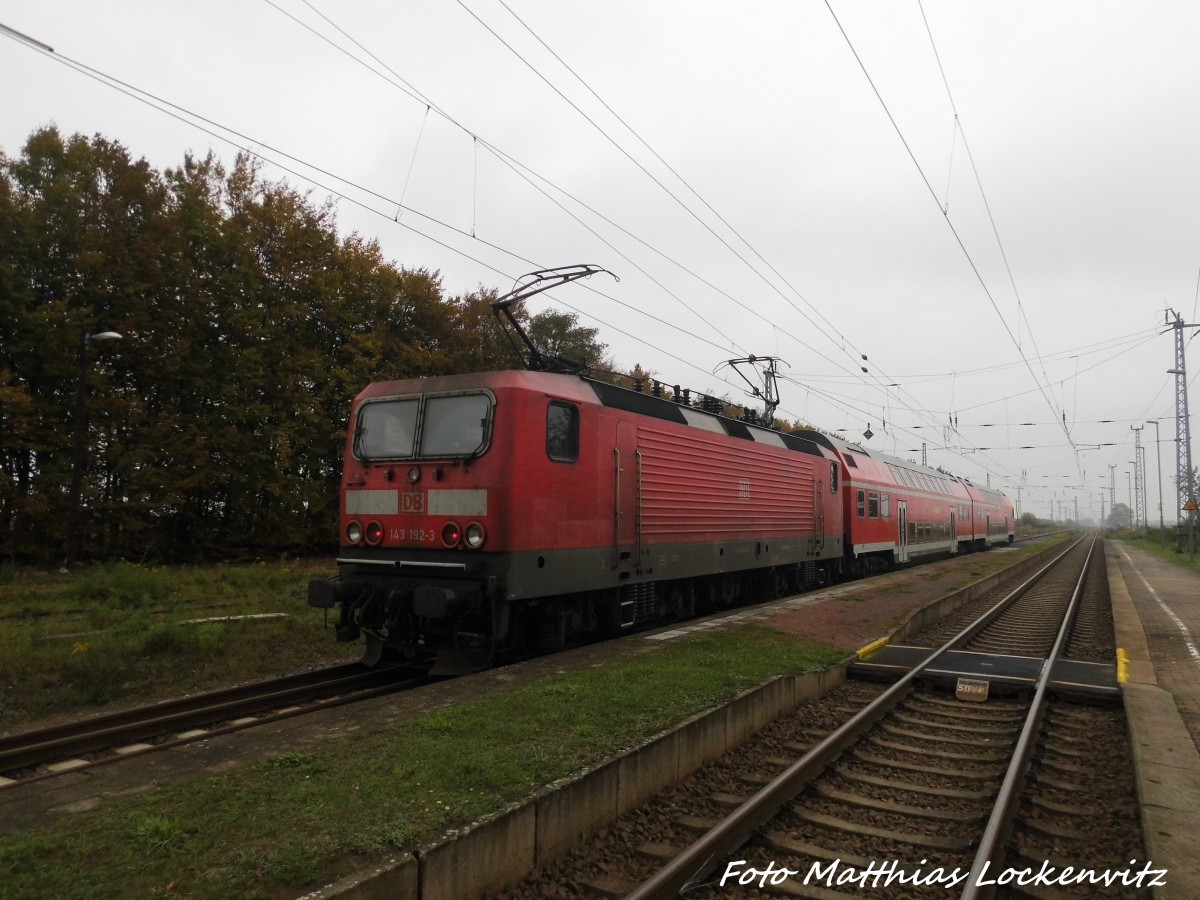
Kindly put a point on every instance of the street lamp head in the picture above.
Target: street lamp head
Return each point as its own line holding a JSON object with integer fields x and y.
{"x": 104, "y": 336}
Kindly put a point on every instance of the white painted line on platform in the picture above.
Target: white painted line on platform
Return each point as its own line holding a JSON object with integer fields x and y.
{"x": 1187, "y": 635}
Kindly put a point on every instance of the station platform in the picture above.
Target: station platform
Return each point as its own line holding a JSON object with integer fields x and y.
{"x": 1156, "y": 607}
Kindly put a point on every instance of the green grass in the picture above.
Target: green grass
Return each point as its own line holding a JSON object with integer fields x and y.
{"x": 120, "y": 635}
{"x": 305, "y": 817}
{"x": 1163, "y": 546}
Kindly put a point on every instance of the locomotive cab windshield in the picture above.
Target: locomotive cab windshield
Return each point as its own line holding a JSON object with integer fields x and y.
{"x": 422, "y": 427}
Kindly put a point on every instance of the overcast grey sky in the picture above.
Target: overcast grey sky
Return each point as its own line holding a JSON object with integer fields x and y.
{"x": 1082, "y": 120}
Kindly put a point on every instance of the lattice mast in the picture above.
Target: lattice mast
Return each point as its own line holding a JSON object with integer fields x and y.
{"x": 1185, "y": 490}
{"x": 1112, "y": 491}
{"x": 1139, "y": 480}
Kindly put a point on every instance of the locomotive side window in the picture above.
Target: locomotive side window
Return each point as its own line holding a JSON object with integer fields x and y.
{"x": 386, "y": 429}
{"x": 862, "y": 504}
{"x": 562, "y": 432}
{"x": 455, "y": 426}
{"x": 833, "y": 478}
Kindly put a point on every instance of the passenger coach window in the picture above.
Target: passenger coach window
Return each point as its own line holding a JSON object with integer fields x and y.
{"x": 873, "y": 505}
{"x": 562, "y": 432}
{"x": 862, "y": 504}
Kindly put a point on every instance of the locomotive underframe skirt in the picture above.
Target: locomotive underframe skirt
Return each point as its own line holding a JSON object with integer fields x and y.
{"x": 531, "y": 574}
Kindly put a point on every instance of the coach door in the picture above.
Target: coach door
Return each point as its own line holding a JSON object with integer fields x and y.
{"x": 902, "y": 523}
{"x": 626, "y": 514}
{"x": 818, "y": 517}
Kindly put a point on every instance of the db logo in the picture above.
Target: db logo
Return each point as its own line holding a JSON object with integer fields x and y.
{"x": 412, "y": 502}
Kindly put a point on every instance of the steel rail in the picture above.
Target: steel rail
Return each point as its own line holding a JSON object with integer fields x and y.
{"x": 999, "y": 826}
{"x": 695, "y": 862}
{"x": 136, "y": 714}
{"x": 265, "y": 719}
{"x": 25, "y": 749}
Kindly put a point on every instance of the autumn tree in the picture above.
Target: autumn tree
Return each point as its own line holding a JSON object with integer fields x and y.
{"x": 216, "y": 425}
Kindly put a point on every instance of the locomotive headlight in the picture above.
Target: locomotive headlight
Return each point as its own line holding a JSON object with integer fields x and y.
{"x": 475, "y": 535}
{"x": 414, "y": 475}
{"x": 451, "y": 534}
{"x": 354, "y": 533}
{"x": 374, "y": 533}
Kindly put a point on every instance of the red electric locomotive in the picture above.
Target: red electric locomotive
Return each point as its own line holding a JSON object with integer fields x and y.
{"x": 514, "y": 510}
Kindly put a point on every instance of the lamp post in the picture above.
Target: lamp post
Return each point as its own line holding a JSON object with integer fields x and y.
{"x": 1158, "y": 452}
{"x": 79, "y": 456}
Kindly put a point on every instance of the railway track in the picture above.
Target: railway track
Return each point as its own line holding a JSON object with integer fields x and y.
{"x": 47, "y": 752}
{"x": 904, "y": 790}
{"x": 44, "y": 753}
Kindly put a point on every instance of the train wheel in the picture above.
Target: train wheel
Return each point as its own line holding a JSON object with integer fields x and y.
{"x": 373, "y": 652}
{"x": 474, "y": 643}
{"x": 729, "y": 590}
{"x": 779, "y": 579}
{"x": 674, "y": 610}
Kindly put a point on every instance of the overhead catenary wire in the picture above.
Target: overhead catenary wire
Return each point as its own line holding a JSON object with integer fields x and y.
{"x": 412, "y": 162}
{"x": 841, "y": 340}
{"x": 214, "y": 129}
{"x": 982, "y": 193}
{"x": 407, "y": 88}
{"x": 501, "y": 266}
{"x": 954, "y": 231}
{"x": 1137, "y": 338}
{"x": 734, "y": 231}
{"x": 418, "y": 95}
{"x": 421, "y": 97}
{"x": 257, "y": 147}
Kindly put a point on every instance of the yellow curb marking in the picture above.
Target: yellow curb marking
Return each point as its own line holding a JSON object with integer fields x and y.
{"x": 871, "y": 648}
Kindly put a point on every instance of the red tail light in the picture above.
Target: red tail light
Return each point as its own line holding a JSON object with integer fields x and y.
{"x": 374, "y": 533}
{"x": 451, "y": 534}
